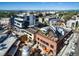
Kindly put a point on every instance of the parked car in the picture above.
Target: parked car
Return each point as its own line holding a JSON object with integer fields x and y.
{"x": 71, "y": 54}
{"x": 1, "y": 48}
{"x": 2, "y": 45}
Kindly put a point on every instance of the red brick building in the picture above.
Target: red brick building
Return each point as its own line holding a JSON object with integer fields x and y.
{"x": 47, "y": 42}
{"x": 50, "y": 41}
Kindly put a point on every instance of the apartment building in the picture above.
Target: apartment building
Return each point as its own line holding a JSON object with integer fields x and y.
{"x": 72, "y": 23}
{"x": 54, "y": 21}
{"x": 47, "y": 44}
{"x": 23, "y": 20}
{"x": 30, "y": 32}
{"x": 49, "y": 38}
{"x": 4, "y": 21}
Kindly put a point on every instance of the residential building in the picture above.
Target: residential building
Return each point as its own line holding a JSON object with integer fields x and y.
{"x": 75, "y": 17}
{"x": 41, "y": 20}
{"x": 30, "y": 32}
{"x": 53, "y": 21}
{"x": 4, "y": 21}
{"x": 31, "y": 20}
{"x": 73, "y": 24}
{"x": 22, "y": 21}
{"x": 47, "y": 43}
{"x": 12, "y": 21}
{"x": 49, "y": 39}
{"x": 19, "y": 21}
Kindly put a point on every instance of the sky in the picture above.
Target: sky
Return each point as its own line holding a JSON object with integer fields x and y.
{"x": 39, "y": 5}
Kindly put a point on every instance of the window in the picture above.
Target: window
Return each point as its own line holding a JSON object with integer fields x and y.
{"x": 36, "y": 20}
{"x": 51, "y": 46}
{"x": 37, "y": 42}
{"x": 38, "y": 38}
{"x": 30, "y": 38}
{"x": 73, "y": 24}
{"x": 18, "y": 24}
{"x": 28, "y": 18}
{"x": 30, "y": 34}
{"x": 44, "y": 42}
{"x": 43, "y": 20}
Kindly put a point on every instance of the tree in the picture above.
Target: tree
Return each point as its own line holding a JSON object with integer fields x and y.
{"x": 67, "y": 17}
{"x": 6, "y": 14}
{"x": 40, "y": 15}
{"x": 60, "y": 15}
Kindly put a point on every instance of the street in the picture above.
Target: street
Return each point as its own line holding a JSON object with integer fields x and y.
{"x": 70, "y": 48}
{"x": 77, "y": 47}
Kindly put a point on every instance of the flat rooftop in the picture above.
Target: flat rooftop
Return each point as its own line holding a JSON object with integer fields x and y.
{"x": 32, "y": 29}
{"x": 9, "y": 42}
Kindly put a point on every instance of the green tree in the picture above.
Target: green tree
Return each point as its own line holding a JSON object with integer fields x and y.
{"x": 60, "y": 15}
{"x": 67, "y": 17}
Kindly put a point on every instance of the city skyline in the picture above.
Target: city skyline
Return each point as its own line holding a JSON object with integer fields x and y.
{"x": 39, "y": 5}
